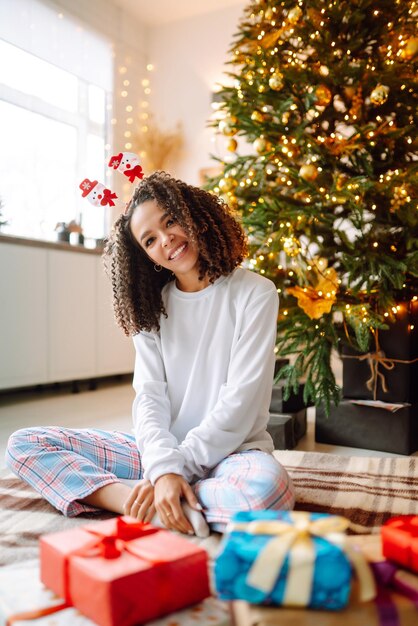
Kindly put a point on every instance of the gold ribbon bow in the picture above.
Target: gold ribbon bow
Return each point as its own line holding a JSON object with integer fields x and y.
{"x": 374, "y": 359}
{"x": 295, "y": 539}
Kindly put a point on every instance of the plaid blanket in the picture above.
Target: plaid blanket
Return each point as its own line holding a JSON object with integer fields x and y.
{"x": 25, "y": 516}
{"x": 365, "y": 490}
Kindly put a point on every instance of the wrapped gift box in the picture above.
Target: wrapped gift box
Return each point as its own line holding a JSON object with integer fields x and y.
{"x": 120, "y": 572}
{"x": 390, "y": 607}
{"x": 287, "y": 429}
{"x": 373, "y": 428}
{"x": 400, "y": 541}
{"x": 24, "y": 575}
{"x": 287, "y": 558}
{"x": 399, "y": 343}
{"x": 294, "y": 403}
{"x": 279, "y": 363}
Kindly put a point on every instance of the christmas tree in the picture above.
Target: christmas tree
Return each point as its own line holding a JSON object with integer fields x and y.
{"x": 319, "y": 116}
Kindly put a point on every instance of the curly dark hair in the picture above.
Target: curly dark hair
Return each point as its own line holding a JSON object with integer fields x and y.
{"x": 207, "y": 221}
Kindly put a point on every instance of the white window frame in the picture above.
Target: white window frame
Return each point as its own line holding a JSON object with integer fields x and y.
{"x": 79, "y": 120}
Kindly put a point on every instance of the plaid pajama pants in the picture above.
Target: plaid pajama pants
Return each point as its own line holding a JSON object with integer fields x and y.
{"x": 65, "y": 465}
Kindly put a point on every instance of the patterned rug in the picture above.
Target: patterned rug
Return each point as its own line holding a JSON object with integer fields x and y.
{"x": 365, "y": 490}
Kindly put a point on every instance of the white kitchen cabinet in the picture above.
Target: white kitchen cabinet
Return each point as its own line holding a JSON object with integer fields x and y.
{"x": 23, "y": 316}
{"x": 56, "y": 317}
{"x": 115, "y": 351}
{"x": 72, "y": 315}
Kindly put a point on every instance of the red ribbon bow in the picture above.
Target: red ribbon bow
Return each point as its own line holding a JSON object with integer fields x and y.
{"x": 400, "y": 540}
{"x": 108, "y": 197}
{"x": 112, "y": 546}
{"x": 133, "y": 173}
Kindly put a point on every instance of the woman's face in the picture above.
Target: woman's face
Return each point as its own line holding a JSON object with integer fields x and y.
{"x": 164, "y": 240}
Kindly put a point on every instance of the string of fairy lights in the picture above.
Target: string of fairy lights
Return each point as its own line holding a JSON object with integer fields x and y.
{"x": 134, "y": 113}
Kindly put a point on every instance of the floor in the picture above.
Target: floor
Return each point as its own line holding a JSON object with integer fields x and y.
{"x": 108, "y": 407}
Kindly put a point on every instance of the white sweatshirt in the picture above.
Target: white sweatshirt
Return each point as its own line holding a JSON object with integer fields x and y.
{"x": 203, "y": 382}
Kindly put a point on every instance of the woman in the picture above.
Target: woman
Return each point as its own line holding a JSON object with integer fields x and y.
{"x": 204, "y": 332}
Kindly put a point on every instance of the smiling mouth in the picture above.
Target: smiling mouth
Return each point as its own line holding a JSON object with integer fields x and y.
{"x": 178, "y": 252}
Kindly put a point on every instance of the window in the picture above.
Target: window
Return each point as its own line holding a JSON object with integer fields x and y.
{"x": 55, "y": 95}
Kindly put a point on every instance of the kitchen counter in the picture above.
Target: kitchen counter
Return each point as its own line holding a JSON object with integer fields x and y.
{"x": 51, "y": 245}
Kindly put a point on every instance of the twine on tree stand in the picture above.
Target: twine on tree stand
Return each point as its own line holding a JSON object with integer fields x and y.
{"x": 375, "y": 359}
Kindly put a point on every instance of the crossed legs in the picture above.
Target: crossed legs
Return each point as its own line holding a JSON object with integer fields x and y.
{"x": 82, "y": 470}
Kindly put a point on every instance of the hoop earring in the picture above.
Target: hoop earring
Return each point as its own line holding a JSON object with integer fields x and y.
{"x": 158, "y": 268}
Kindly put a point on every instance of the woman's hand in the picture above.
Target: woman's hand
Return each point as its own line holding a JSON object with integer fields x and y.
{"x": 140, "y": 503}
{"x": 169, "y": 490}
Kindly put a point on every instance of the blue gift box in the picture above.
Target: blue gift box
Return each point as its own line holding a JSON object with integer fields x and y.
{"x": 288, "y": 558}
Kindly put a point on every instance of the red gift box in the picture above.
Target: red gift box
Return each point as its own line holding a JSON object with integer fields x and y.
{"x": 400, "y": 540}
{"x": 121, "y": 572}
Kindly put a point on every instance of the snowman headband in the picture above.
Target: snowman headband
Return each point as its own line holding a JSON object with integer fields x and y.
{"x": 125, "y": 162}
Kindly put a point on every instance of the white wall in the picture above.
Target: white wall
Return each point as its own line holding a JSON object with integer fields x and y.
{"x": 189, "y": 58}
{"x": 107, "y": 18}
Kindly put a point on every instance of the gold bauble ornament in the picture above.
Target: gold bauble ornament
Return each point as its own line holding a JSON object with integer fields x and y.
{"x": 269, "y": 14}
{"x": 261, "y": 145}
{"x": 323, "y": 70}
{"x": 261, "y": 89}
{"x": 227, "y": 184}
{"x": 400, "y": 197}
{"x": 380, "y": 94}
{"x": 308, "y": 172}
{"x": 340, "y": 199}
{"x": 227, "y": 129}
{"x": 227, "y": 126}
{"x": 302, "y": 195}
{"x": 231, "y": 119}
{"x": 286, "y": 117}
{"x": 291, "y": 245}
{"x": 257, "y": 116}
{"x": 232, "y": 145}
{"x": 293, "y": 150}
{"x": 316, "y": 17}
{"x": 323, "y": 95}
{"x": 232, "y": 202}
{"x": 311, "y": 114}
{"x": 294, "y": 14}
{"x": 229, "y": 199}
{"x": 320, "y": 263}
{"x": 349, "y": 92}
{"x": 341, "y": 181}
{"x": 410, "y": 49}
{"x": 276, "y": 81}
